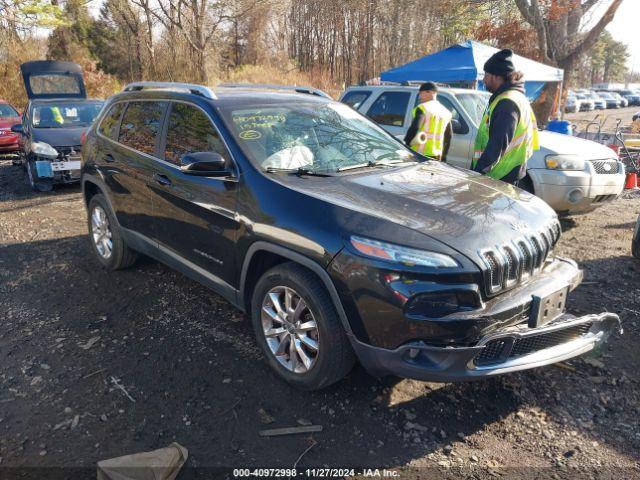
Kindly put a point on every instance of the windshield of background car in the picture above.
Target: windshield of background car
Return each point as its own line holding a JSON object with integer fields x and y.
{"x": 7, "y": 111}
{"x": 65, "y": 114}
{"x": 474, "y": 104}
{"x": 320, "y": 137}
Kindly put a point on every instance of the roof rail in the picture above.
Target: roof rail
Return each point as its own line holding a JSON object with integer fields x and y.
{"x": 266, "y": 86}
{"x": 201, "y": 90}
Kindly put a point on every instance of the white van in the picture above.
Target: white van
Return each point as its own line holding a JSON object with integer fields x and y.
{"x": 592, "y": 173}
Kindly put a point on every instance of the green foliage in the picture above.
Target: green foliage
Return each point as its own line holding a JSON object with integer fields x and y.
{"x": 608, "y": 59}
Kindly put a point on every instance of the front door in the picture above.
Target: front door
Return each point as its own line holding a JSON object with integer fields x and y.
{"x": 195, "y": 215}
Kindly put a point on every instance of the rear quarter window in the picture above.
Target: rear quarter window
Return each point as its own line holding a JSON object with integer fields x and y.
{"x": 355, "y": 98}
{"x": 110, "y": 122}
{"x": 140, "y": 126}
{"x": 390, "y": 108}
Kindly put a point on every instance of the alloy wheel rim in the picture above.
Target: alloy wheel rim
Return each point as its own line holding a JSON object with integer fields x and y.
{"x": 101, "y": 232}
{"x": 290, "y": 329}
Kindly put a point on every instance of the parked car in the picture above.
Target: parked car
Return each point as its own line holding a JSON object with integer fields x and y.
{"x": 624, "y": 103}
{"x": 599, "y": 103}
{"x": 572, "y": 104}
{"x": 571, "y": 174}
{"x": 586, "y": 103}
{"x": 9, "y": 117}
{"x": 632, "y": 97}
{"x": 52, "y": 124}
{"x": 338, "y": 241}
{"x": 609, "y": 99}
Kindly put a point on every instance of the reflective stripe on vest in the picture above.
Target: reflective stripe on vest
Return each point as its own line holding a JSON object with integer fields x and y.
{"x": 523, "y": 143}
{"x": 429, "y": 139}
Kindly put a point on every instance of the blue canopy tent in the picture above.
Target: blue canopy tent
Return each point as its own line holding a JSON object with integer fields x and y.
{"x": 464, "y": 62}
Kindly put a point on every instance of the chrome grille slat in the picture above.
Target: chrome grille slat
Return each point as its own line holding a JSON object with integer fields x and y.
{"x": 510, "y": 264}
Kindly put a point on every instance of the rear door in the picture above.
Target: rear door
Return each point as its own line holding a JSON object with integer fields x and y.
{"x": 463, "y": 134}
{"x": 195, "y": 215}
{"x": 53, "y": 79}
{"x": 129, "y": 144}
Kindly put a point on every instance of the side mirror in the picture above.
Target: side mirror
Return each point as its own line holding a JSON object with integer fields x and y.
{"x": 206, "y": 164}
{"x": 17, "y": 128}
{"x": 459, "y": 126}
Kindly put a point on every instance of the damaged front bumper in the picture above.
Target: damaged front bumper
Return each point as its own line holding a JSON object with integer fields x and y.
{"x": 511, "y": 349}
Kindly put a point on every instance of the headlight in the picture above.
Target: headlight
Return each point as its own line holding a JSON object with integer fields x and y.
{"x": 43, "y": 149}
{"x": 564, "y": 162}
{"x": 404, "y": 255}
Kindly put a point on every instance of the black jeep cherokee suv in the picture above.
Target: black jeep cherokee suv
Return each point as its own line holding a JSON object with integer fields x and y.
{"x": 337, "y": 240}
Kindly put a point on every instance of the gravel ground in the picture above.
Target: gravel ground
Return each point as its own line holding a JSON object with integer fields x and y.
{"x": 95, "y": 364}
{"x": 608, "y": 117}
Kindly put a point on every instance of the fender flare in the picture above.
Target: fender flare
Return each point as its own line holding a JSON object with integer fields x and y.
{"x": 102, "y": 187}
{"x": 305, "y": 262}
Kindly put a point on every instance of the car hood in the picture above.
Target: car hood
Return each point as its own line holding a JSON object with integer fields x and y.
{"x": 557, "y": 143}
{"x": 8, "y": 122}
{"x": 58, "y": 137}
{"x": 460, "y": 208}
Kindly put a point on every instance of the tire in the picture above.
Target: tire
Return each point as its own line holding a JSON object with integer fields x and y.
{"x": 635, "y": 248}
{"x": 105, "y": 237}
{"x": 334, "y": 357}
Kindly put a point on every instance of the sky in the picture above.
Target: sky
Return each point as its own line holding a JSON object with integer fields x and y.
{"x": 624, "y": 28}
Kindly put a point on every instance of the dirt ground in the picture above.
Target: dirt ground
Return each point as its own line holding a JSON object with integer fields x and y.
{"x": 96, "y": 364}
{"x": 607, "y": 117}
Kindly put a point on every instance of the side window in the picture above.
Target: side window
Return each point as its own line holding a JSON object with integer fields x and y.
{"x": 390, "y": 108}
{"x": 190, "y": 130}
{"x": 140, "y": 126}
{"x": 455, "y": 114}
{"x": 355, "y": 98}
{"x": 108, "y": 126}
{"x": 458, "y": 124}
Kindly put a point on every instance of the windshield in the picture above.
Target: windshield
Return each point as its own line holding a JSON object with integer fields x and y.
{"x": 7, "y": 110}
{"x": 474, "y": 104}
{"x": 315, "y": 137}
{"x": 65, "y": 114}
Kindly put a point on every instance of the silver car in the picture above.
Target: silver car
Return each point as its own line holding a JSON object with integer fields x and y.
{"x": 571, "y": 174}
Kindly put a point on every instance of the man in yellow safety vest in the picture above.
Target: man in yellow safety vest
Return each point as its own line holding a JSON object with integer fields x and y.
{"x": 508, "y": 134}
{"x": 430, "y": 131}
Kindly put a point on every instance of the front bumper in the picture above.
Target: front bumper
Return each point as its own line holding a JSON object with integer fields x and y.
{"x": 575, "y": 192}
{"x": 509, "y": 350}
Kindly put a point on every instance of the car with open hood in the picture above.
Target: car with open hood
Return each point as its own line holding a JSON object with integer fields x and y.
{"x": 57, "y": 114}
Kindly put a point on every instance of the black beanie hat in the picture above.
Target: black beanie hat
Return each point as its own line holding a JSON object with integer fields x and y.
{"x": 428, "y": 87}
{"x": 500, "y": 63}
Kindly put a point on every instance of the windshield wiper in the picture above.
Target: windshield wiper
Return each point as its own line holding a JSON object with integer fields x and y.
{"x": 382, "y": 163}
{"x": 297, "y": 171}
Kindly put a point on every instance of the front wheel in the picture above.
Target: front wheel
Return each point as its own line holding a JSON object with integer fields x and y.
{"x": 298, "y": 328}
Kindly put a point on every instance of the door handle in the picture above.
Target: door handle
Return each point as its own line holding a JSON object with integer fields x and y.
{"x": 109, "y": 158}
{"x": 161, "y": 179}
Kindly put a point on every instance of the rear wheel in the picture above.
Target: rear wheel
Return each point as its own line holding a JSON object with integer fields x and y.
{"x": 635, "y": 248}
{"x": 107, "y": 242}
{"x": 297, "y": 327}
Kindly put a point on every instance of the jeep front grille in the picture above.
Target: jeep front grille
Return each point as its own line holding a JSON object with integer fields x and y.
{"x": 509, "y": 264}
